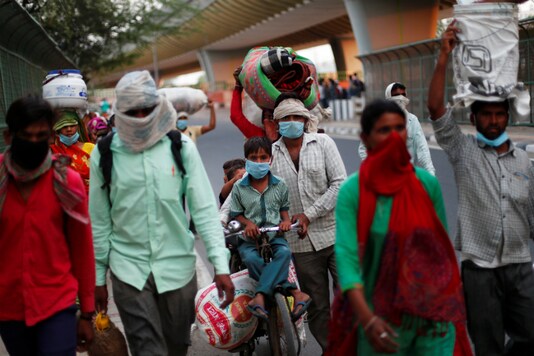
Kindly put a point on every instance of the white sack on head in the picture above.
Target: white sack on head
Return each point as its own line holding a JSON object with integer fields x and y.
{"x": 189, "y": 100}
{"x": 137, "y": 90}
{"x": 486, "y": 60}
{"x": 291, "y": 107}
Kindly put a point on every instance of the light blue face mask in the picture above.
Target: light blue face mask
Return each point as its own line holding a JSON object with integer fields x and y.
{"x": 257, "y": 170}
{"x": 493, "y": 143}
{"x": 69, "y": 140}
{"x": 181, "y": 124}
{"x": 114, "y": 129}
{"x": 291, "y": 129}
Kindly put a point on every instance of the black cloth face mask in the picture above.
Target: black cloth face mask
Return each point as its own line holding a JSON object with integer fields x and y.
{"x": 28, "y": 154}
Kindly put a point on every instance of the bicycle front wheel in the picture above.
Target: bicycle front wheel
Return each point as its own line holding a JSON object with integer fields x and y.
{"x": 289, "y": 339}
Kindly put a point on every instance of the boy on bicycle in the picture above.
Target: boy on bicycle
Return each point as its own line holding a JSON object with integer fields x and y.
{"x": 261, "y": 199}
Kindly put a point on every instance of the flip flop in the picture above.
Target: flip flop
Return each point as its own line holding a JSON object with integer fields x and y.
{"x": 264, "y": 315}
{"x": 305, "y": 304}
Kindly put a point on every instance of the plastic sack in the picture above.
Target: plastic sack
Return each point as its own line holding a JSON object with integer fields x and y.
{"x": 486, "y": 59}
{"x": 185, "y": 99}
{"x": 299, "y": 77}
{"x": 228, "y": 328}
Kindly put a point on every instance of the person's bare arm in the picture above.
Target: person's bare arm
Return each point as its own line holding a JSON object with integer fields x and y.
{"x": 436, "y": 91}
{"x": 213, "y": 119}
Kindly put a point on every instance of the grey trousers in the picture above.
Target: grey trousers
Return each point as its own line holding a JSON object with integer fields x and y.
{"x": 312, "y": 271}
{"x": 156, "y": 324}
{"x": 500, "y": 300}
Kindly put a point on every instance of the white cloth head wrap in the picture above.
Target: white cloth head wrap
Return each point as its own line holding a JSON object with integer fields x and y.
{"x": 291, "y": 107}
{"x": 401, "y": 100}
{"x": 137, "y": 90}
{"x": 389, "y": 88}
{"x": 183, "y": 114}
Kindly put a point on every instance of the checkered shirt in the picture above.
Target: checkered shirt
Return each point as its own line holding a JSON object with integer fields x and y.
{"x": 495, "y": 195}
{"x": 313, "y": 188}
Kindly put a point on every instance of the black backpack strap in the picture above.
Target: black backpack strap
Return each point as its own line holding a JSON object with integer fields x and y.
{"x": 106, "y": 159}
{"x": 176, "y": 146}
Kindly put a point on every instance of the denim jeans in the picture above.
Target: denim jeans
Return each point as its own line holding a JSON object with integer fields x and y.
{"x": 271, "y": 274}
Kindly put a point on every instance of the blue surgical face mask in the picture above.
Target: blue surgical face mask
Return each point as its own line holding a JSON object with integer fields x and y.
{"x": 493, "y": 143}
{"x": 291, "y": 129}
{"x": 69, "y": 140}
{"x": 181, "y": 124}
{"x": 114, "y": 129}
{"x": 257, "y": 170}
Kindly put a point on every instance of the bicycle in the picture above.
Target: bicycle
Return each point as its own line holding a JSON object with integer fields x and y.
{"x": 287, "y": 342}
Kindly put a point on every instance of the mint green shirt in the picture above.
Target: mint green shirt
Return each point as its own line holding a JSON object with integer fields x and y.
{"x": 350, "y": 272}
{"x": 145, "y": 229}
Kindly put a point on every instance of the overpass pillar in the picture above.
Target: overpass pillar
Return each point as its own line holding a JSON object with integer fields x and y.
{"x": 381, "y": 24}
{"x": 345, "y": 50}
{"x": 219, "y": 66}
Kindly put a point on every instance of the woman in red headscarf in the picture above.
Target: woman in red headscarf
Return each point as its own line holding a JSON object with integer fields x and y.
{"x": 396, "y": 265}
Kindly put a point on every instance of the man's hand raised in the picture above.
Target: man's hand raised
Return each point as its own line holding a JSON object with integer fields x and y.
{"x": 449, "y": 39}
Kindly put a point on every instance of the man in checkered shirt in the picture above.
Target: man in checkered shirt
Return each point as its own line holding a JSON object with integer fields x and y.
{"x": 313, "y": 170}
{"x": 495, "y": 183}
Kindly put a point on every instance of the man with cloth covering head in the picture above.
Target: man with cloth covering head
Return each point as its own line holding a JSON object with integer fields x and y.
{"x": 416, "y": 140}
{"x": 312, "y": 168}
{"x": 141, "y": 230}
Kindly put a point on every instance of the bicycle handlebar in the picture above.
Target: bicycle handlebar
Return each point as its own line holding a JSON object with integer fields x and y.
{"x": 294, "y": 227}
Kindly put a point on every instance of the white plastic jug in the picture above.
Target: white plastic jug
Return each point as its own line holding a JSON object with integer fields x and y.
{"x": 65, "y": 88}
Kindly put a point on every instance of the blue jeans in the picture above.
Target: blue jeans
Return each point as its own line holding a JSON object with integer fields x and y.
{"x": 271, "y": 274}
{"x": 55, "y": 336}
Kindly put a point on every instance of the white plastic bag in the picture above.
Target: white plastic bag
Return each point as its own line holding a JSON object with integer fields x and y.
{"x": 189, "y": 100}
{"x": 486, "y": 60}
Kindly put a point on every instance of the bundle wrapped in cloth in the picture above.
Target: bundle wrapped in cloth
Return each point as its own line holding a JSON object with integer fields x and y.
{"x": 108, "y": 339}
{"x": 267, "y": 72}
{"x": 486, "y": 59}
{"x": 185, "y": 99}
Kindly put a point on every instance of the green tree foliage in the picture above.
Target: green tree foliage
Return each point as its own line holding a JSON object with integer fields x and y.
{"x": 99, "y": 35}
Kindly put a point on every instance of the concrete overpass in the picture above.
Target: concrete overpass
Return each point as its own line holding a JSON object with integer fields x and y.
{"x": 218, "y": 37}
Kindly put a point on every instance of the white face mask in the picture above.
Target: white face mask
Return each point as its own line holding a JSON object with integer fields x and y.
{"x": 401, "y": 101}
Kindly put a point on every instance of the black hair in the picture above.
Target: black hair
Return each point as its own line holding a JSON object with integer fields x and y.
{"x": 232, "y": 171}
{"x": 479, "y": 104}
{"x": 254, "y": 144}
{"x": 27, "y": 110}
{"x": 398, "y": 86}
{"x": 374, "y": 110}
{"x": 284, "y": 96}
{"x": 236, "y": 162}
{"x": 111, "y": 121}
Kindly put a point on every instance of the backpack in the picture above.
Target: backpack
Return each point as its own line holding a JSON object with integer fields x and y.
{"x": 106, "y": 157}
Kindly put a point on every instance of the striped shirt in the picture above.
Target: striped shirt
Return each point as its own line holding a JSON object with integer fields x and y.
{"x": 263, "y": 209}
{"x": 312, "y": 189}
{"x": 495, "y": 196}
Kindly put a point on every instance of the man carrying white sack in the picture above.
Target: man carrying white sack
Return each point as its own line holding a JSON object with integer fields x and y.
{"x": 495, "y": 183}
{"x": 140, "y": 228}
{"x": 415, "y": 140}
